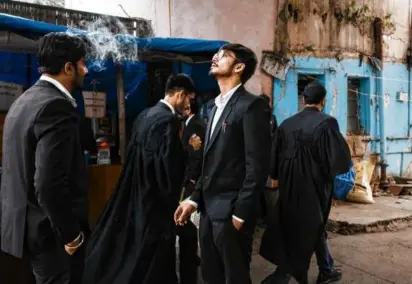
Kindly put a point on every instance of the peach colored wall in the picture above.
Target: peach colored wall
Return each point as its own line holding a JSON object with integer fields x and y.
{"x": 251, "y": 23}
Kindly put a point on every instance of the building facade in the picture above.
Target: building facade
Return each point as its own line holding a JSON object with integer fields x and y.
{"x": 359, "y": 49}
{"x": 361, "y": 52}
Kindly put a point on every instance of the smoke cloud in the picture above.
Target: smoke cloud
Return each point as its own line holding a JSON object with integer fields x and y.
{"x": 108, "y": 39}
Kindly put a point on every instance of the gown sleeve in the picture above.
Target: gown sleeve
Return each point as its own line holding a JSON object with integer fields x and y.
{"x": 170, "y": 160}
{"x": 333, "y": 150}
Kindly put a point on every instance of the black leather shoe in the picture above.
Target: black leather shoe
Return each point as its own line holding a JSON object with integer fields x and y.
{"x": 276, "y": 278}
{"x": 331, "y": 276}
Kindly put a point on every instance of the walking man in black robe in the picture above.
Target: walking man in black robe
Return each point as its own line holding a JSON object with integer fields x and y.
{"x": 307, "y": 153}
{"x": 235, "y": 169}
{"x": 134, "y": 240}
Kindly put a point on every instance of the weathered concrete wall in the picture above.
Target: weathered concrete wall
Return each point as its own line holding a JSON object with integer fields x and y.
{"x": 337, "y": 28}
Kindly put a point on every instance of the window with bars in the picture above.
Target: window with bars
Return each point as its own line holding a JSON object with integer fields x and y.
{"x": 354, "y": 125}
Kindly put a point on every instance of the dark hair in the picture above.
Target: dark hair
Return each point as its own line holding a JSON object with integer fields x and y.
{"x": 194, "y": 106}
{"x": 179, "y": 82}
{"x": 243, "y": 55}
{"x": 56, "y": 49}
{"x": 314, "y": 93}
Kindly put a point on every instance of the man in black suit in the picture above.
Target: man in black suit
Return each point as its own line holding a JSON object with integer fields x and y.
{"x": 235, "y": 169}
{"x": 269, "y": 192}
{"x": 44, "y": 185}
{"x": 193, "y": 126}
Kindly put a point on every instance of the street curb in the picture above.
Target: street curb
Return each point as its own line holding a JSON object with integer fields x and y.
{"x": 390, "y": 225}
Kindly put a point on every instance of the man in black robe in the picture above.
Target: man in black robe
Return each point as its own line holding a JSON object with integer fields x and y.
{"x": 308, "y": 152}
{"x": 188, "y": 241}
{"x": 134, "y": 240}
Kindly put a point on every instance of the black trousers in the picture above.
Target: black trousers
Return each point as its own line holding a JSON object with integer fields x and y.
{"x": 225, "y": 251}
{"x": 188, "y": 261}
{"x": 55, "y": 266}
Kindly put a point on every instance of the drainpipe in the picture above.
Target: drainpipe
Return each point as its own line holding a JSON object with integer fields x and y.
{"x": 409, "y": 62}
{"x": 378, "y": 27}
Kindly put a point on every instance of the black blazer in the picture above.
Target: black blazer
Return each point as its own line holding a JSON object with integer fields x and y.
{"x": 236, "y": 159}
{"x": 193, "y": 162}
{"x": 44, "y": 186}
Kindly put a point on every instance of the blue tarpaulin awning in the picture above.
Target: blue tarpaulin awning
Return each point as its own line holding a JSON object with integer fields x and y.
{"x": 35, "y": 29}
{"x": 18, "y": 56}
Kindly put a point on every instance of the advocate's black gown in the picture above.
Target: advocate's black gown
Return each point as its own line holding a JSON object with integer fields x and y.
{"x": 134, "y": 240}
{"x": 308, "y": 151}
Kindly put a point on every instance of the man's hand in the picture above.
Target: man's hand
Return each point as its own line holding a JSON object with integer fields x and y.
{"x": 74, "y": 245}
{"x": 237, "y": 224}
{"x": 183, "y": 213}
{"x": 195, "y": 142}
{"x": 275, "y": 183}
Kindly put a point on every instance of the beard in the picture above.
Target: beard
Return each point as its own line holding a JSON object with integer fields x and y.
{"x": 223, "y": 72}
{"x": 78, "y": 83}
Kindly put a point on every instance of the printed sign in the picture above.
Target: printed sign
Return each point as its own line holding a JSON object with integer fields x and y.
{"x": 94, "y": 104}
{"x": 9, "y": 92}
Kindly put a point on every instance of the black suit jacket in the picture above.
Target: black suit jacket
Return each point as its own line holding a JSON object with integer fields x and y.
{"x": 193, "y": 161}
{"x": 236, "y": 159}
{"x": 44, "y": 187}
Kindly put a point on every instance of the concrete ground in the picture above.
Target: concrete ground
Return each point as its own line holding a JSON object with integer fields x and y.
{"x": 364, "y": 258}
{"x": 377, "y": 258}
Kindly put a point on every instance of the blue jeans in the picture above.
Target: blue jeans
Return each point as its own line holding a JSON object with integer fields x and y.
{"x": 323, "y": 257}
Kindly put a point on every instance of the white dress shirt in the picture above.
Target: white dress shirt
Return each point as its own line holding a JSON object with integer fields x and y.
{"x": 61, "y": 88}
{"x": 169, "y": 105}
{"x": 188, "y": 120}
{"x": 220, "y": 102}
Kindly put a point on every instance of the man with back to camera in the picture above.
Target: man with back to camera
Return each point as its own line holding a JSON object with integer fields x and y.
{"x": 134, "y": 239}
{"x": 308, "y": 152}
{"x": 235, "y": 169}
{"x": 44, "y": 186}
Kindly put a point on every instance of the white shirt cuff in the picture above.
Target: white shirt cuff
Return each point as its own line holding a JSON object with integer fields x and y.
{"x": 195, "y": 205}
{"x": 191, "y": 202}
{"x": 238, "y": 219}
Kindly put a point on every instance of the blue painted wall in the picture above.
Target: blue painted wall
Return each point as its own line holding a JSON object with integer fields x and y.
{"x": 334, "y": 75}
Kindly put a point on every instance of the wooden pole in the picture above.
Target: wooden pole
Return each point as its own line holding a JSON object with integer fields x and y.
{"x": 122, "y": 111}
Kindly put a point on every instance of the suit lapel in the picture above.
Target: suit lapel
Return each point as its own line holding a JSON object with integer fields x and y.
{"x": 218, "y": 128}
{"x": 209, "y": 126}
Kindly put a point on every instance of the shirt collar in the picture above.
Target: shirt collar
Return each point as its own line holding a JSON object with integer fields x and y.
{"x": 188, "y": 120}
{"x": 61, "y": 88}
{"x": 169, "y": 105}
{"x": 222, "y": 99}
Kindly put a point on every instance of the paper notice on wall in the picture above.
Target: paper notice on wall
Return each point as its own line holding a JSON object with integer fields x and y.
{"x": 275, "y": 65}
{"x": 9, "y": 92}
{"x": 94, "y": 104}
